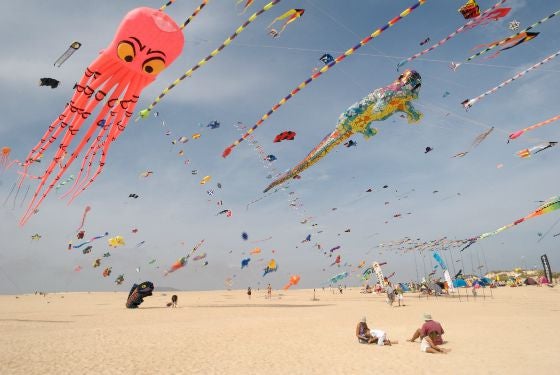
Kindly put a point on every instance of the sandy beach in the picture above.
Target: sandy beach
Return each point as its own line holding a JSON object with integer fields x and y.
{"x": 515, "y": 332}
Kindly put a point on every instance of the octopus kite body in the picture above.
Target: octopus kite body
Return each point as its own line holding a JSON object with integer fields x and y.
{"x": 379, "y": 105}
{"x": 146, "y": 42}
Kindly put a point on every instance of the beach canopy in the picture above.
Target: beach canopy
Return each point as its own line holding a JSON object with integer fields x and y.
{"x": 459, "y": 283}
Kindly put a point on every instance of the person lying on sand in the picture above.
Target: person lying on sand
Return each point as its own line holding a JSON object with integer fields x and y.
{"x": 427, "y": 345}
{"x": 374, "y": 336}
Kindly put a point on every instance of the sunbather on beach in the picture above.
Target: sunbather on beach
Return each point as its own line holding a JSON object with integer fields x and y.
{"x": 427, "y": 345}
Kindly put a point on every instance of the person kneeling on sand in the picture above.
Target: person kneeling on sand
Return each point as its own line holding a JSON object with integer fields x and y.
{"x": 427, "y": 345}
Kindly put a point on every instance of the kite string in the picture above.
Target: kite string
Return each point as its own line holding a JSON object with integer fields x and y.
{"x": 324, "y": 69}
{"x": 192, "y": 16}
{"x": 145, "y": 112}
{"x": 166, "y": 5}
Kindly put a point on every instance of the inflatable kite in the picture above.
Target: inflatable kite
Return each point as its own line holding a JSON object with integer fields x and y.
{"x": 119, "y": 280}
{"x": 5, "y": 157}
{"x": 294, "y": 280}
{"x": 523, "y": 32}
{"x": 50, "y": 82}
{"x": 107, "y": 272}
{"x": 518, "y": 133}
{"x": 69, "y": 52}
{"x": 285, "y": 136}
{"x": 291, "y": 15}
{"x": 467, "y": 103}
{"x": 245, "y": 262}
{"x": 116, "y": 241}
{"x": 470, "y": 10}
{"x": 478, "y": 140}
{"x": 90, "y": 241}
{"x": 491, "y": 14}
{"x": 270, "y": 267}
{"x": 379, "y": 105}
{"x": 326, "y": 59}
{"x": 552, "y": 204}
{"x": 247, "y": 4}
{"x": 323, "y": 70}
{"x": 146, "y": 42}
{"x": 527, "y": 152}
{"x": 138, "y": 293}
{"x": 337, "y": 278}
{"x": 509, "y": 42}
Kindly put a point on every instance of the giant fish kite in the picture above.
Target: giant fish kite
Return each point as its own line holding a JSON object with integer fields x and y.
{"x": 377, "y": 106}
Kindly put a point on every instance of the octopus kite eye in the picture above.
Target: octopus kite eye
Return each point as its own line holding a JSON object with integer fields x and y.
{"x": 154, "y": 65}
{"x": 126, "y": 51}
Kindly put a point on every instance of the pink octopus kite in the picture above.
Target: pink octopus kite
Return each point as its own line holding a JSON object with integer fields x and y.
{"x": 146, "y": 42}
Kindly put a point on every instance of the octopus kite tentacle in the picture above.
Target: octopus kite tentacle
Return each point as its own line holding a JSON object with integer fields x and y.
{"x": 324, "y": 69}
{"x": 467, "y": 103}
{"x": 376, "y": 106}
{"x": 146, "y": 112}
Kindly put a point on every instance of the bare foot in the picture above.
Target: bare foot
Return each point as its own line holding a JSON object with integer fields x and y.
{"x": 410, "y": 340}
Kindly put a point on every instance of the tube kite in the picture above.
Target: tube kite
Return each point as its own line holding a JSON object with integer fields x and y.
{"x": 510, "y": 38}
{"x": 552, "y": 204}
{"x": 377, "y": 106}
{"x": 525, "y": 153}
{"x": 294, "y": 280}
{"x": 487, "y": 16}
{"x": 324, "y": 69}
{"x": 467, "y": 103}
{"x": 478, "y": 140}
{"x": 518, "y": 133}
{"x": 146, "y": 112}
{"x": 510, "y": 43}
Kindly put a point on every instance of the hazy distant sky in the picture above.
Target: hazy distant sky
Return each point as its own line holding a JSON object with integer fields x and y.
{"x": 174, "y": 212}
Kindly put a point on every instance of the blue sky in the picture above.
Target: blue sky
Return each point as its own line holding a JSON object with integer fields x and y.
{"x": 174, "y": 211}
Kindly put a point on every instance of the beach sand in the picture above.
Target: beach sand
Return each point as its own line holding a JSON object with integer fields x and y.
{"x": 514, "y": 332}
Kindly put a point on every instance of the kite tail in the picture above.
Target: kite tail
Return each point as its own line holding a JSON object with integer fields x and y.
{"x": 327, "y": 144}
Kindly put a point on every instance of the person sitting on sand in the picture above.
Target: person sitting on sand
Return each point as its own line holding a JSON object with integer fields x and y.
{"x": 428, "y": 327}
{"x": 363, "y": 333}
{"x": 427, "y": 345}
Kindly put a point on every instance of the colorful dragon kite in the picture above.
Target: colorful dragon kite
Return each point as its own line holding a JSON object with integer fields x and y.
{"x": 377, "y": 106}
